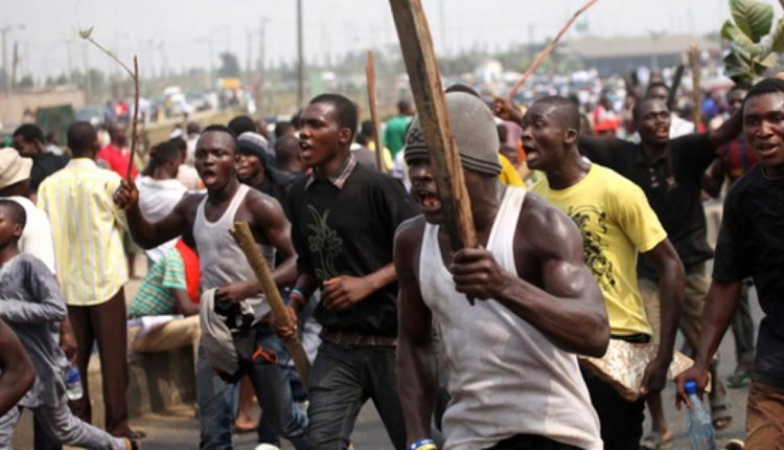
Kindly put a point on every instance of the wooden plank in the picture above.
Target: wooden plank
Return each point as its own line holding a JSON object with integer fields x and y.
{"x": 696, "y": 92}
{"x": 370, "y": 73}
{"x": 242, "y": 234}
{"x": 417, "y": 46}
{"x": 550, "y": 47}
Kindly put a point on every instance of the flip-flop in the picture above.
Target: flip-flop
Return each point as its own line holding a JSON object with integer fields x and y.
{"x": 721, "y": 415}
{"x": 655, "y": 440}
{"x": 739, "y": 379}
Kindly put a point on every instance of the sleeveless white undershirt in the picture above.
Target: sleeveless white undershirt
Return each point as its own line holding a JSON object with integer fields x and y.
{"x": 221, "y": 261}
{"x": 505, "y": 377}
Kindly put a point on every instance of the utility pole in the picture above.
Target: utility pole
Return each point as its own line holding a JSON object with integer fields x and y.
{"x": 87, "y": 77}
{"x": 14, "y": 65}
{"x": 6, "y": 74}
{"x": 248, "y": 61}
{"x": 300, "y": 59}
{"x": 262, "y": 66}
{"x": 69, "y": 61}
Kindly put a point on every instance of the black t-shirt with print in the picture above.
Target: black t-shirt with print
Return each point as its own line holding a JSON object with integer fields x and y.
{"x": 751, "y": 243}
{"x": 672, "y": 184}
{"x": 350, "y": 231}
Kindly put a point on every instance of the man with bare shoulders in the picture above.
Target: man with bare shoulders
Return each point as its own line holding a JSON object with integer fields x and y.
{"x": 224, "y": 267}
{"x": 510, "y": 314}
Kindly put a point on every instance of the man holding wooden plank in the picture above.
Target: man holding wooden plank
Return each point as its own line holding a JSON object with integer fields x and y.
{"x": 224, "y": 267}
{"x": 511, "y": 314}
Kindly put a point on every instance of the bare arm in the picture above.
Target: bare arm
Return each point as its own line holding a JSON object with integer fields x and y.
{"x": 150, "y": 235}
{"x": 568, "y": 307}
{"x": 713, "y": 179}
{"x": 183, "y": 302}
{"x": 415, "y": 353}
{"x": 671, "y": 284}
{"x": 728, "y": 131}
{"x": 720, "y": 306}
{"x": 16, "y": 372}
{"x": 344, "y": 291}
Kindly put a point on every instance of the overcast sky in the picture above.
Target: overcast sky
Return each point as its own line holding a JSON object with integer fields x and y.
{"x": 177, "y": 33}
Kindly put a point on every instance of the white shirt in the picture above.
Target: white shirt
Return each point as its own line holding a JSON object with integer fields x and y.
{"x": 157, "y": 198}
{"x": 36, "y": 238}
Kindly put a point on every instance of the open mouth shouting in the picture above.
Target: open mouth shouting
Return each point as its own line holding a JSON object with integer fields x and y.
{"x": 306, "y": 150}
{"x": 767, "y": 149}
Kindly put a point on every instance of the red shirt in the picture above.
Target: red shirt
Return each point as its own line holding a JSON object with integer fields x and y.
{"x": 117, "y": 159}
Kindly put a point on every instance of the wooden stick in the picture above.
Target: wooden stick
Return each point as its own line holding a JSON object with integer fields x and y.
{"x": 242, "y": 234}
{"x": 676, "y": 83}
{"x": 417, "y": 46}
{"x": 547, "y": 50}
{"x": 370, "y": 73}
{"x": 696, "y": 93}
{"x": 129, "y": 173}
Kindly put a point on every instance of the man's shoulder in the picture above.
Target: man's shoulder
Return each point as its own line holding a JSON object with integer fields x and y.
{"x": 749, "y": 181}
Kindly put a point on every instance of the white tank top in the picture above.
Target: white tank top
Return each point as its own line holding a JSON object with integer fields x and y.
{"x": 221, "y": 260}
{"x": 505, "y": 378}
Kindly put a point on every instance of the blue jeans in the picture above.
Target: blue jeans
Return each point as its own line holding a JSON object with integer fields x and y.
{"x": 216, "y": 406}
{"x": 341, "y": 381}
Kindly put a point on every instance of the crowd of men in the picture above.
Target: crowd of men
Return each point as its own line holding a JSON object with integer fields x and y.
{"x": 472, "y": 348}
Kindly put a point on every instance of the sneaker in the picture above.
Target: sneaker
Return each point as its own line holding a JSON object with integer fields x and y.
{"x": 266, "y": 447}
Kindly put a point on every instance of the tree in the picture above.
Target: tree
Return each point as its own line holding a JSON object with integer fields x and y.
{"x": 753, "y": 50}
{"x": 230, "y": 68}
{"x": 26, "y": 82}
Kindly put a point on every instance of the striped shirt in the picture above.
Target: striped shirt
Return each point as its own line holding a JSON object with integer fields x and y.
{"x": 87, "y": 228}
{"x": 154, "y": 296}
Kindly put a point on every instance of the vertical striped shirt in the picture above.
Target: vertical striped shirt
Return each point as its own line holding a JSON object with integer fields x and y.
{"x": 87, "y": 227}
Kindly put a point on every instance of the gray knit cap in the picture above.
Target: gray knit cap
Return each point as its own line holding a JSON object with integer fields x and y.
{"x": 475, "y": 133}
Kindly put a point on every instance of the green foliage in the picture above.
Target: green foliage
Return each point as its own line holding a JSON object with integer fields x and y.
{"x": 750, "y": 56}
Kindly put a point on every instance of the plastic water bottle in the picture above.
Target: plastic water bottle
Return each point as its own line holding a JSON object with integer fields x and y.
{"x": 73, "y": 383}
{"x": 701, "y": 434}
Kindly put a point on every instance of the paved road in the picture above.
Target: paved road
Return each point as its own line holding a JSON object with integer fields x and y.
{"x": 180, "y": 430}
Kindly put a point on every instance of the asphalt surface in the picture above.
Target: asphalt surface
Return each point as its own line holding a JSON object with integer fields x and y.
{"x": 180, "y": 430}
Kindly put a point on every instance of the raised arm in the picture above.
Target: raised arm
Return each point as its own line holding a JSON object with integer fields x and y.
{"x": 16, "y": 372}
{"x": 150, "y": 235}
{"x": 728, "y": 131}
{"x": 568, "y": 306}
{"x": 417, "y": 373}
{"x": 671, "y": 284}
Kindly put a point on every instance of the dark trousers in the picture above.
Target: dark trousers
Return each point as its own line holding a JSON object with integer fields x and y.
{"x": 41, "y": 440}
{"x": 529, "y": 442}
{"x": 341, "y": 381}
{"x": 104, "y": 324}
{"x": 620, "y": 420}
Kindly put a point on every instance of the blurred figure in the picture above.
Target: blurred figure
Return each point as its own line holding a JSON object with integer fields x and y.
{"x": 29, "y": 141}
{"x": 396, "y": 127}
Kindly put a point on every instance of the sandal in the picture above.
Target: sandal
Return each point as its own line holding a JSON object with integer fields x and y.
{"x": 739, "y": 379}
{"x": 721, "y": 415}
{"x": 734, "y": 444}
{"x": 656, "y": 440}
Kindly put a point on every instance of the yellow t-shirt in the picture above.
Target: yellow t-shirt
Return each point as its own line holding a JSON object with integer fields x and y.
{"x": 509, "y": 175}
{"x": 616, "y": 222}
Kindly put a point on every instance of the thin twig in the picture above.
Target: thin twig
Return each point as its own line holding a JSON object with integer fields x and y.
{"x": 129, "y": 172}
{"x": 87, "y": 35}
{"x": 541, "y": 56}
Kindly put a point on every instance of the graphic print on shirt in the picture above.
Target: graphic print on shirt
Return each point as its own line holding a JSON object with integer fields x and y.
{"x": 324, "y": 242}
{"x": 594, "y": 256}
